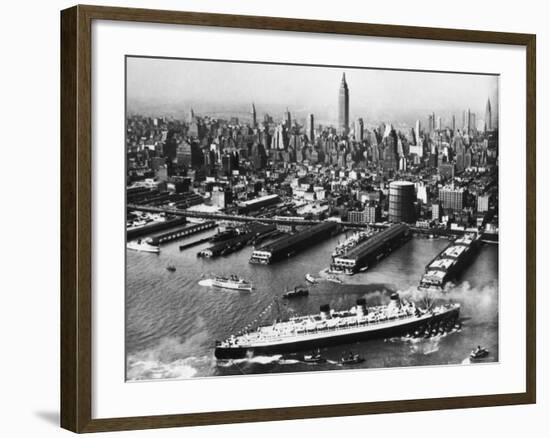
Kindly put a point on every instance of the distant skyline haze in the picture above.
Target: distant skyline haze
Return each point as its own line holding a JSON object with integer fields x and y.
{"x": 166, "y": 86}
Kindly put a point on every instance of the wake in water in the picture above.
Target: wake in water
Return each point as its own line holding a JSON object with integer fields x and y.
{"x": 277, "y": 359}
{"x": 207, "y": 282}
{"x": 171, "y": 358}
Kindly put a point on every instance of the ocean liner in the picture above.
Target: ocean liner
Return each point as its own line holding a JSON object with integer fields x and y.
{"x": 332, "y": 328}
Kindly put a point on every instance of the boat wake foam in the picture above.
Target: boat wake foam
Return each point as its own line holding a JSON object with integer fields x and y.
{"x": 206, "y": 282}
{"x": 170, "y": 358}
{"x": 259, "y": 360}
{"x": 152, "y": 370}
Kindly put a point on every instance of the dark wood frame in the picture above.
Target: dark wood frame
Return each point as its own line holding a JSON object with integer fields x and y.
{"x": 76, "y": 174}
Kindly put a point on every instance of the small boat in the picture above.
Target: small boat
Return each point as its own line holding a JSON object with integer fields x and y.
{"x": 334, "y": 279}
{"x": 364, "y": 268}
{"x": 310, "y": 278}
{"x": 314, "y": 357}
{"x": 171, "y": 268}
{"x": 296, "y": 293}
{"x": 351, "y": 359}
{"x": 142, "y": 245}
{"x": 479, "y": 353}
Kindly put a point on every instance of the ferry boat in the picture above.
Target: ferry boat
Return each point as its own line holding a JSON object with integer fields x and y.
{"x": 449, "y": 263}
{"x": 142, "y": 245}
{"x": 232, "y": 282}
{"x": 329, "y": 327}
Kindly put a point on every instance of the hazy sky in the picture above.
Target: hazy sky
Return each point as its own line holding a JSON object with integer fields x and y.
{"x": 174, "y": 85}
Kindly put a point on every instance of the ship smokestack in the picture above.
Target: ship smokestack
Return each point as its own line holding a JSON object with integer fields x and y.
{"x": 361, "y": 307}
{"x": 395, "y": 301}
{"x": 325, "y": 311}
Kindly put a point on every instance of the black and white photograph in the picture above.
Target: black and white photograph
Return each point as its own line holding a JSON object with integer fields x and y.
{"x": 287, "y": 218}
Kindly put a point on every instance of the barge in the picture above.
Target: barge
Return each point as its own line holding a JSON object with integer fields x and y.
{"x": 448, "y": 264}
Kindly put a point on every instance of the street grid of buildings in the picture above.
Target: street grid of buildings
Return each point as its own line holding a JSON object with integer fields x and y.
{"x": 433, "y": 175}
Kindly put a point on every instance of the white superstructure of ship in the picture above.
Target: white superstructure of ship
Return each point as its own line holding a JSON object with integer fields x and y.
{"x": 331, "y": 327}
{"x": 231, "y": 282}
{"x": 143, "y": 245}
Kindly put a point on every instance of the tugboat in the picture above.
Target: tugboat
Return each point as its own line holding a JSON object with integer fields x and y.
{"x": 351, "y": 359}
{"x": 479, "y": 353}
{"x": 171, "y": 268}
{"x": 297, "y": 292}
{"x": 232, "y": 282}
{"x": 314, "y": 357}
{"x": 330, "y": 327}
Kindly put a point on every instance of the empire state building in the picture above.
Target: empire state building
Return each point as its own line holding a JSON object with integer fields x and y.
{"x": 343, "y": 107}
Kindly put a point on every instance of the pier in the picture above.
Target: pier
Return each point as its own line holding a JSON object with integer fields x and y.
{"x": 289, "y": 245}
{"x": 249, "y": 234}
{"x": 154, "y": 227}
{"x": 181, "y": 232}
{"x": 371, "y": 250}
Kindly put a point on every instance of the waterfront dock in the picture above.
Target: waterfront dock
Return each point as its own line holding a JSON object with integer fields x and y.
{"x": 154, "y": 227}
{"x": 248, "y": 235}
{"x": 182, "y": 232}
{"x": 288, "y": 245}
{"x": 371, "y": 250}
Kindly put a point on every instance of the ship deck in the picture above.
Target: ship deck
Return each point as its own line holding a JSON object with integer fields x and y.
{"x": 312, "y": 328}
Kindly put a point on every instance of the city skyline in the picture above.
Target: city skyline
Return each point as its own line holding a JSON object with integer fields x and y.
{"x": 169, "y": 87}
{"x": 287, "y": 229}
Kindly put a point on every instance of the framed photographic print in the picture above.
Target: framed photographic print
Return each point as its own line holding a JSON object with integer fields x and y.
{"x": 304, "y": 218}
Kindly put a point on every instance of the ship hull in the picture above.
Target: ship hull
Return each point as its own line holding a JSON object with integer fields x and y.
{"x": 335, "y": 338}
{"x": 454, "y": 272}
{"x": 144, "y": 248}
{"x": 232, "y": 287}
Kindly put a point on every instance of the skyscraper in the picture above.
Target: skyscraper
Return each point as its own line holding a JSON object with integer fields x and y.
{"x": 310, "y": 129}
{"x": 254, "y": 121}
{"x": 343, "y": 106}
{"x": 488, "y": 116}
{"x": 359, "y": 130}
{"x": 288, "y": 119}
{"x": 417, "y": 140}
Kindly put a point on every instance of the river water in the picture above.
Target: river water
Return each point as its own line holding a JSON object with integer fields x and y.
{"x": 172, "y": 322}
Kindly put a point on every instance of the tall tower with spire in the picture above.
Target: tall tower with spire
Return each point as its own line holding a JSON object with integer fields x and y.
{"x": 254, "y": 120}
{"x": 287, "y": 121}
{"x": 488, "y": 116}
{"x": 343, "y": 106}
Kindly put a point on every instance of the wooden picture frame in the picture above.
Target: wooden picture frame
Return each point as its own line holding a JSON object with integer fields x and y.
{"x": 76, "y": 217}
